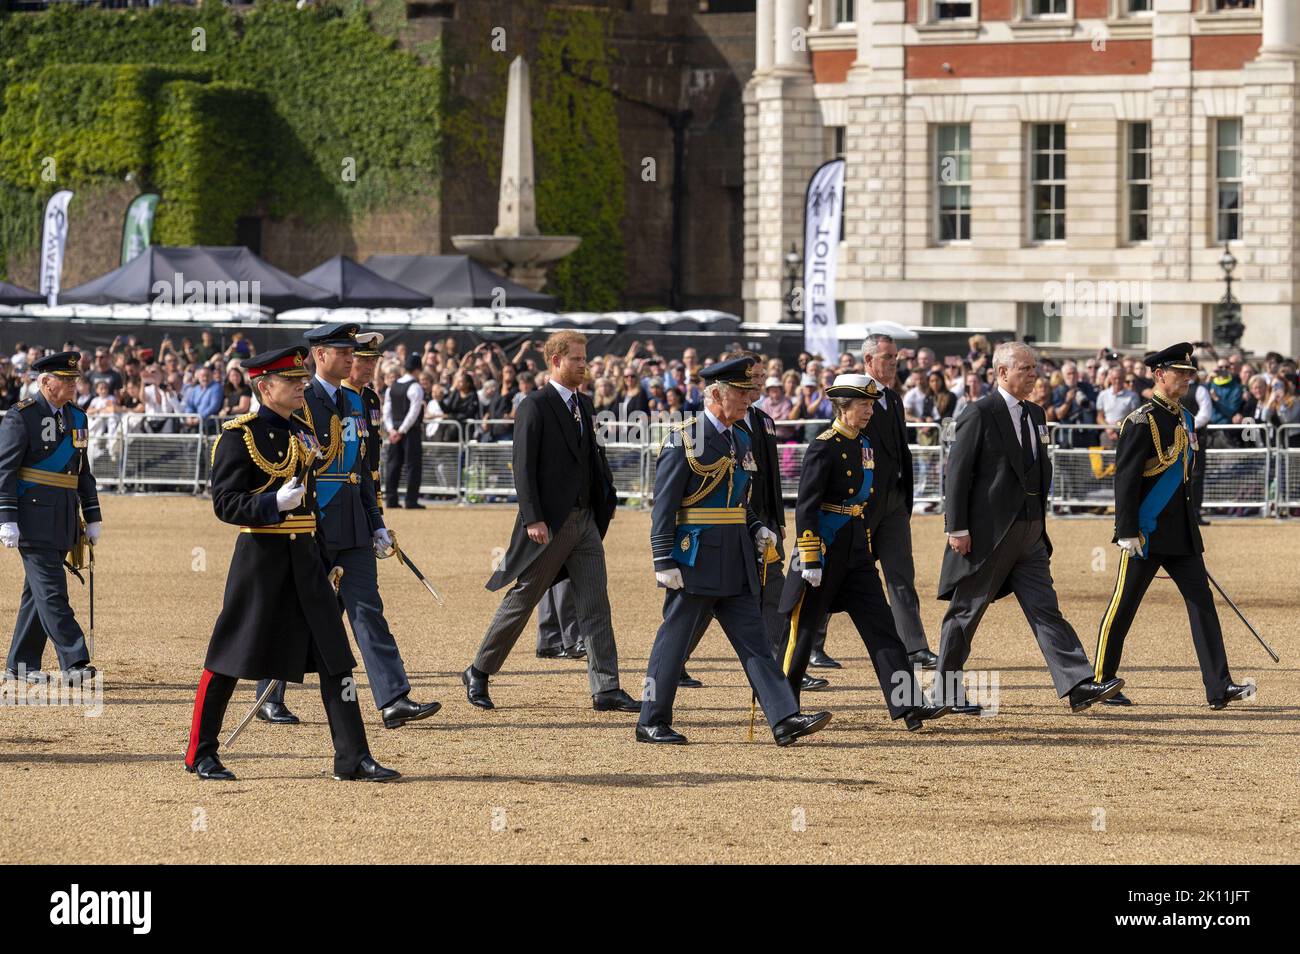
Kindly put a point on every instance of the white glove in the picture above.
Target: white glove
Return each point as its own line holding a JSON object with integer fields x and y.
{"x": 672, "y": 579}
{"x": 813, "y": 576}
{"x": 383, "y": 543}
{"x": 93, "y": 531}
{"x": 289, "y": 495}
{"x": 762, "y": 536}
{"x": 1132, "y": 544}
{"x": 9, "y": 534}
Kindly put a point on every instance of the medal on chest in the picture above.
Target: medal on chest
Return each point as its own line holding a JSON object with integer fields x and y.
{"x": 868, "y": 458}
{"x": 748, "y": 462}
{"x": 79, "y": 437}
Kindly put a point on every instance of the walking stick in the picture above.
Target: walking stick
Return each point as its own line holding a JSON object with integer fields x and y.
{"x": 1240, "y": 615}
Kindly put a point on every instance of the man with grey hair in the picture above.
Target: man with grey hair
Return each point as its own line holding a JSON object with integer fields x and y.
{"x": 890, "y": 516}
{"x": 998, "y": 475}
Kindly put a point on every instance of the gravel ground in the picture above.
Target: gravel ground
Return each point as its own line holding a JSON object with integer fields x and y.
{"x": 545, "y": 778}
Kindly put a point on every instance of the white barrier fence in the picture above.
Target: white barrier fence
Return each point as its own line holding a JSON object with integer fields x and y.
{"x": 1249, "y": 468}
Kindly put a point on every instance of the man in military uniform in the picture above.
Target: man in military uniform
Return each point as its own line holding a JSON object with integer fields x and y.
{"x": 705, "y": 539}
{"x": 766, "y": 501}
{"x": 362, "y": 380}
{"x": 350, "y": 527}
{"x": 1156, "y": 526}
{"x": 44, "y": 477}
{"x": 834, "y": 568}
{"x": 280, "y": 618}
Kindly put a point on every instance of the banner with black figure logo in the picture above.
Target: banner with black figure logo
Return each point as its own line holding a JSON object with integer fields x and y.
{"x": 823, "y": 210}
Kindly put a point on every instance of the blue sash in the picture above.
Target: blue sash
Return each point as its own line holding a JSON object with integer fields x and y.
{"x": 353, "y": 433}
{"x": 1160, "y": 494}
{"x": 53, "y": 464}
{"x": 689, "y": 533}
{"x": 829, "y": 524}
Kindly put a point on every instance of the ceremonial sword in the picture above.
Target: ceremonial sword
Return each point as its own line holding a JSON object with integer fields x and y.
{"x": 401, "y": 555}
{"x": 1240, "y": 615}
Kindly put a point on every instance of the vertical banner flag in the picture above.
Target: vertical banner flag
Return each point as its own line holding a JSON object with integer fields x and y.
{"x": 823, "y": 209}
{"x": 137, "y": 225}
{"x": 52, "y": 242}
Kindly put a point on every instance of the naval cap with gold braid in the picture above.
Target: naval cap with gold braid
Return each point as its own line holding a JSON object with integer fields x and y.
{"x": 1178, "y": 357}
{"x": 854, "y": 386}
{"x": 368, "y": 343}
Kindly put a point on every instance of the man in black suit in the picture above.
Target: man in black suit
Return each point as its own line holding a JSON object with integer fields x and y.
{"x": 998, "y": 475}
{"x": 566, "y": 500}
{"x": 890, "y": 517}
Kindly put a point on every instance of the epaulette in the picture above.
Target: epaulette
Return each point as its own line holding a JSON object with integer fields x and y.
{"x": 28, "y": 402}
{"x": 1136, "y": 417}
{"x": 674, "y": 430}
{"x": 240, "y": 421}
{"x": 826, "y": 434}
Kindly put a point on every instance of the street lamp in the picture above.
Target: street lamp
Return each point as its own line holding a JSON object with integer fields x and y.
{"x": 1228, "y": 328}
{"x": 792, "y": 262}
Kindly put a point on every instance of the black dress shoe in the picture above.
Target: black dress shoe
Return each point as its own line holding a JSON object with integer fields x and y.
{"x": 659, "y": 735}
{"x": 476, "y": 689}
{"x": 578, "y": 650}
{"x": 967, "y": 708}
{"x": 416, "y": 506}
{"x": 923, "y": 659}
{"x": 813, "y": 684}
{"x": 1086, "y": 693}
{"x": 550, "y": 653}
{"x": 819, "y": 660}
{"x": 916, "y": 716}
{"x": 1118, "y": 699}
{"x": 76, "y": 675}
{"x": 687, "y": 681}
{"x": 367, "y": 770}
{"x": 30, "y": 676}
{"x": 404, "y": 710}
{"x": 614, "y": 700}
{"x": 1232, "y": 694}
{"x": 1202, "y": 522}
{"x": 795, "y": 727}
{"x": 210, "y": 769}
{"x": 277, "y": 713}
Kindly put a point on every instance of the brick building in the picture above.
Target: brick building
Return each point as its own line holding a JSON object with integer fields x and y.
{"x": 1068, "y": 168}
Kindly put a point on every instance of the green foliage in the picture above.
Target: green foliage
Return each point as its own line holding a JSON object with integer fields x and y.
{"x": 332, "y": 90}
{"x": 209, "y": 178}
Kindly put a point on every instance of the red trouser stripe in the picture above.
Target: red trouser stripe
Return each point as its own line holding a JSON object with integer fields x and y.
{"x": 198, "y": 717}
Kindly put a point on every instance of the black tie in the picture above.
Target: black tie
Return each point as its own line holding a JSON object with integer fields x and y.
{"x": 1026, "y": 448}
{"x": 731, "y": 444}
{"x": 573, "y": 409}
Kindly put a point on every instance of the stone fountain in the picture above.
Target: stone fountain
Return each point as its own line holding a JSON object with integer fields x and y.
{"x": 515, "y": 247}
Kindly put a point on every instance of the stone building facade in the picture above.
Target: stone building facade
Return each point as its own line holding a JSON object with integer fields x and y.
{"x": 1070, "y": 169}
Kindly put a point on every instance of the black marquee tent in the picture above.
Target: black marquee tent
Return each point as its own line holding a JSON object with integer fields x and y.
{"x": 13, "y": 295}
{"x": 457, "y": 281}
{"x": 356, "y": 286}
{"x": 217, "y": 274}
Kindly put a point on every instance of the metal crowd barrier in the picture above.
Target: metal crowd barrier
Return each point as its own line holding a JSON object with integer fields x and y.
{"x": 1286, "y": 456}
{"x": 1249, "y": 467}
{"x": 1238, "y": 467}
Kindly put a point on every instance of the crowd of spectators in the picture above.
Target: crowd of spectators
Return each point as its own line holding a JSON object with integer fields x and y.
{"x": 190, "y": 386}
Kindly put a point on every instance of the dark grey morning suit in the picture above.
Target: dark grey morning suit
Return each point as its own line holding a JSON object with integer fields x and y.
{"x": 44, "y": 478}
{"x": 890, "y": 518}
{"x": 347, "y": 515}
{"x": 563, "y": 480}
{"x": 997, "y": 490}
{"x": 709, "y": 538}
{"x": 557, "y": 619}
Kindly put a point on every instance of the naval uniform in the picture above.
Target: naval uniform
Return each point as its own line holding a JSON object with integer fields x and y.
{"x": 1153, "y": 460}
{"x": 44, "y": 477}
{"x": 831, "y": 534}
{"x": 703, "y": 526}
{"x": 347, "y": 517}
{"x": 279, "y": 618}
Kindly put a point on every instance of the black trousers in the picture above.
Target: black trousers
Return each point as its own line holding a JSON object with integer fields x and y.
{"x": 338, "y": 693}
{"x": 1188, "y": 574}
{"x": 851, "y": 584}
{"x": 774, "y": 624}
{"x": 406, "y": 452}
